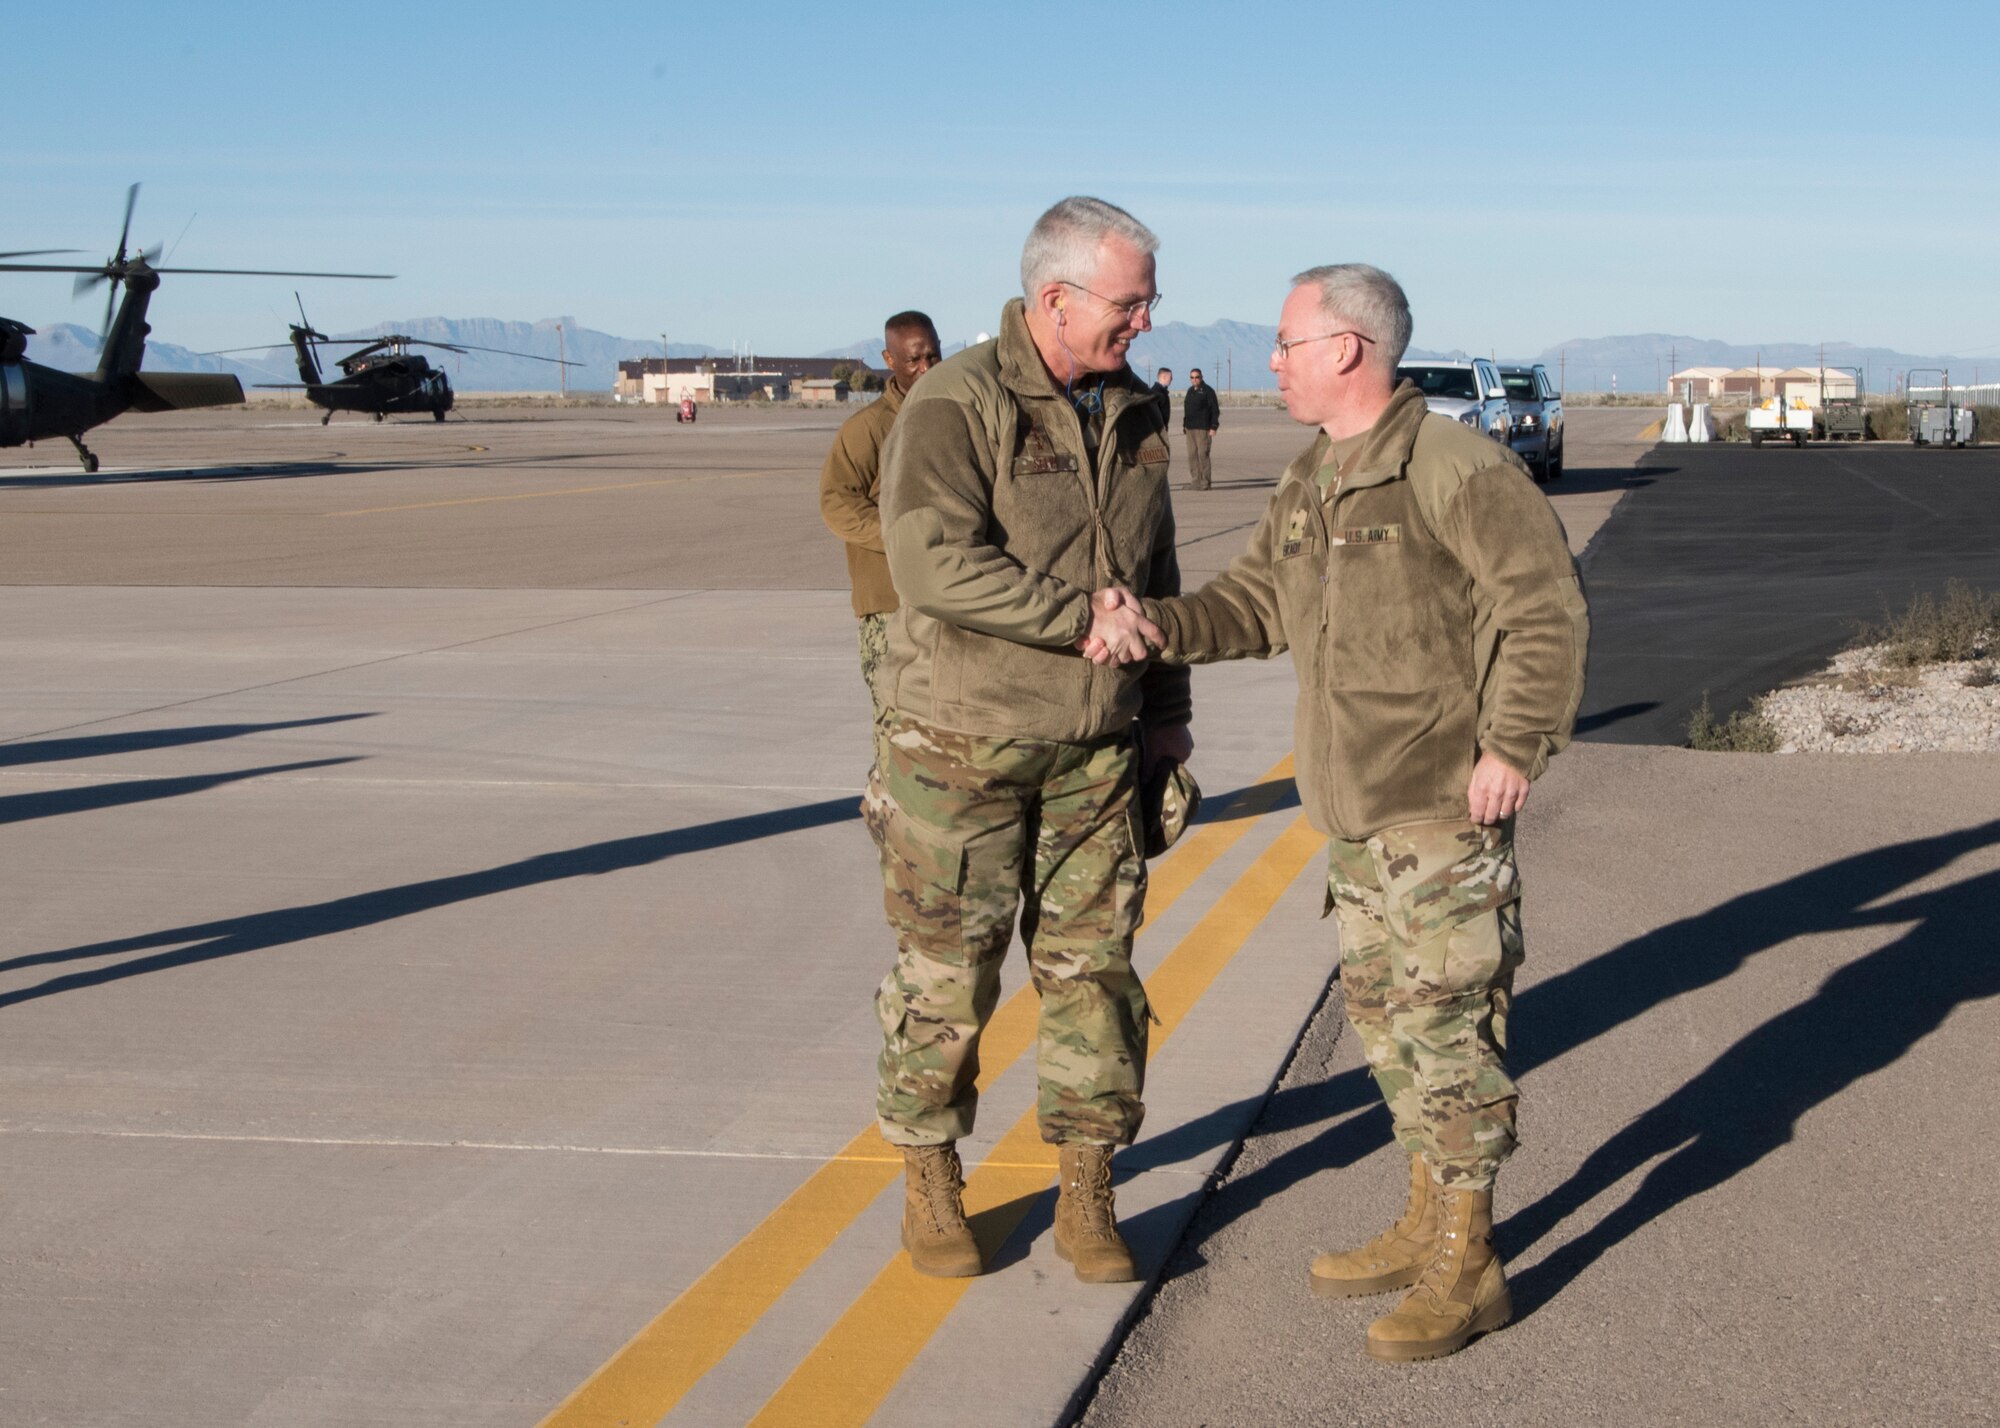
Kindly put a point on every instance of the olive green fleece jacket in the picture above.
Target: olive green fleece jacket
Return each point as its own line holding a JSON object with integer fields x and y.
{"x": 850, "y": 499}
{"x": 999, "y": 528}
{"x": 1432, "y": 609}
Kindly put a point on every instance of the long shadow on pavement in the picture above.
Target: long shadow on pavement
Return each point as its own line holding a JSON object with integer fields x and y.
{"x": 92, "y": 746}
{"x": 257, "y": 932}
{"x": 1903, "y": 987}
{"x": 54, "y": 802}
{"x": 1747, "y": 1102}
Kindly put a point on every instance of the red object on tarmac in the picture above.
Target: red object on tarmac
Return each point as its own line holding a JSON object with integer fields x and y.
{"x": 686, "y": 413}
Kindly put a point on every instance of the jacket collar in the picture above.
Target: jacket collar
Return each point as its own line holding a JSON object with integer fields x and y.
{"x": 892, "y": 396}
{"x": 1386, "y": 451}
{"x": 1383, "y": 455}
{"x": 1022, "y": 372}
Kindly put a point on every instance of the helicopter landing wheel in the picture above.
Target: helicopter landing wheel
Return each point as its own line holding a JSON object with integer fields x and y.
{"x": 85, "y": 455}
{"x": 438, "y": 415}
{"x": 325, "y": 419}
{"x": 378, "y": 416}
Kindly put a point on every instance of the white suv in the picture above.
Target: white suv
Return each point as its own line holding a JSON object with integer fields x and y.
{"x": 1470, "y": 391}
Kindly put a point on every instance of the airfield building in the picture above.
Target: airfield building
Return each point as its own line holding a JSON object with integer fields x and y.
{"x": 724, "y": 379}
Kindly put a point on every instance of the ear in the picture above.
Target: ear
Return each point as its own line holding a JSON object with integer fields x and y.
{"x": 885, "y": 359}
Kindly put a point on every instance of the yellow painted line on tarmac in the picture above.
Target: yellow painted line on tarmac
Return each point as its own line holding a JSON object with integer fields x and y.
{"x": 643, "y": 1381}
{"x": 852, "y": 1369}
{"x": 566, "y": 491}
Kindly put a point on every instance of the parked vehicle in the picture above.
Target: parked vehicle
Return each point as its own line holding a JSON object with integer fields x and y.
{"x": 1535, "y": 428}
{"x": 1779, "y": 419}
{"x": 1470, "y": 391}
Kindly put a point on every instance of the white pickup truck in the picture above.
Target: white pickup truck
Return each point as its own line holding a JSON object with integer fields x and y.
{"x": 1778, "y": 418}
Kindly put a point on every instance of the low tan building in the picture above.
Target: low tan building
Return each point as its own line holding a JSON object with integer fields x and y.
{"x": 724, "y": 379}
{"x": 1754, "y": 382}
{"x": 823, "y": 389}
{"x": 1706, "y": 381}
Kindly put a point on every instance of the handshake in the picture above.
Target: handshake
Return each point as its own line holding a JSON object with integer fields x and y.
{"x": 1119, "y": 633}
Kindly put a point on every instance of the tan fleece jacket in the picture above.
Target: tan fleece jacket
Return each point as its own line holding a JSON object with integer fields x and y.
{"x": 999, "y": 527}
{"x": 1432, "y": 610}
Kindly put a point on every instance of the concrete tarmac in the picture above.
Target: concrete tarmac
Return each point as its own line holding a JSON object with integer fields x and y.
{"x": 438, "y": 980}
{"x": 441, "y": 937}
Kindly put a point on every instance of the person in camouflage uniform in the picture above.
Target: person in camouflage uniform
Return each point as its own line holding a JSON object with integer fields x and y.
{"x": 1022, "y": 475}
{"x": 850, "y": 489}
{"x": 1436, "y": 619}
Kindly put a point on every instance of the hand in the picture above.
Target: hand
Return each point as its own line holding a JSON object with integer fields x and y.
{"x": 1175, "y": 742}
{"x": 1119, "y": 632}
{"x": 1497, "y": 791}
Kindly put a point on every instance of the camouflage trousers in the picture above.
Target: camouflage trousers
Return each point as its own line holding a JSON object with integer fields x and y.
{"x": 875, "y": 649}
{"x": 971, "y": 831}
{"x": 1430, "y": 935}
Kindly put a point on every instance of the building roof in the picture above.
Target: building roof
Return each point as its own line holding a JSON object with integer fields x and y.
{"x": 1686, "y": 372}
{"x": 797, "y": 368}
{"x": 1753, "y": 372}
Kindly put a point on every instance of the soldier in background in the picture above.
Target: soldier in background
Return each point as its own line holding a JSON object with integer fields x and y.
{"x": 1435, "y": 617}
{"x": 1024, "y": 474}
{"x": 1201, "y": 413}
{"x": 850, "y": 488}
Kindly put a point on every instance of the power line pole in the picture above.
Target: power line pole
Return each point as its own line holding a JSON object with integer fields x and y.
{"x": 562, "y": 371}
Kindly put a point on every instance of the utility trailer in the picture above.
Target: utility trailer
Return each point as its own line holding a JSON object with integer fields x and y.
{"x": 1779, "y": 419}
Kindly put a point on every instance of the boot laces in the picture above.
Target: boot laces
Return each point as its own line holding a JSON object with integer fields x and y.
{"x": 1092, "y": 1193}
{"x": 942, "y": 1187}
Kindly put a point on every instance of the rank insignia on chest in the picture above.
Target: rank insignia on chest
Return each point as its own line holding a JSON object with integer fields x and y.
{"x": 1295, "y": 533}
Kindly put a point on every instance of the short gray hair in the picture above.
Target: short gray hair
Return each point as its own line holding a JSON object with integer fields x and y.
{"x": 1063, "y": 244}
{"x": 1367, "y": 299}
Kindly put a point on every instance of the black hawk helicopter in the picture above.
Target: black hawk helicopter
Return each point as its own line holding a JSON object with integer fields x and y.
{"x": 384, "y": 378}
{"x": 38, "y": 403}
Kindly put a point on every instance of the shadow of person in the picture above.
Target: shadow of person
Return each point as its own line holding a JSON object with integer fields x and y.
{"x": 1747, "y": 1102}
{"x": 1572, "y": 1009}
{"x": 126, "y": 741}
{"x": 257, "y": 932}
{"x": 54, "y": 802}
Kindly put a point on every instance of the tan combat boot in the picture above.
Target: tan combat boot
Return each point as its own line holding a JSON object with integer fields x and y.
{"x": 1461, "y": 1293}
{"x": 934, "y": 1229}
{"x": 1086, "y": 1224}
{"x": 1394, "y": 1258}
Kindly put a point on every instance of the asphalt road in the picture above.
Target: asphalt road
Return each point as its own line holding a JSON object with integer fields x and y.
{"x": 1729, "y": 572}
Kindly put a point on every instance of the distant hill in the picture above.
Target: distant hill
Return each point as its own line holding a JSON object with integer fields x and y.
{"x": 74, "y": 348}
{"x": 1642, "y": 361}
{"x": 1215, "y": 349}
{"x": 1638, "y": 361}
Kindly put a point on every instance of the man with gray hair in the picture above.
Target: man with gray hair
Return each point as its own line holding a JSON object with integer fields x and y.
{"x": 1437, "y": 623}
{"x": 1021, "y": 475}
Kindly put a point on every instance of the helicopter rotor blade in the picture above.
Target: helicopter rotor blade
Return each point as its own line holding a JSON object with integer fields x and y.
{"x": 503, "y": 351}
{"x": 125, "y": 231}
{"x": 40, "y": 252}
{"x": 110, "y": 299}
{"x": 90, "y": 278}
{"x": 272, "y": 273}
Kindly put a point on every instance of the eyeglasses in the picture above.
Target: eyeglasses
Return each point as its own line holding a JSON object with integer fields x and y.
{"x": 1149, "y": 306}
{"x": 1285, "y": 344}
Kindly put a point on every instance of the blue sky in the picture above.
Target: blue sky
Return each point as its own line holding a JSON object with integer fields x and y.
{"x": 783, "y": 175}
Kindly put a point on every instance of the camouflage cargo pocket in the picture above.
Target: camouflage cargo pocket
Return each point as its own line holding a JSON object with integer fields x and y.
{"x": 1438, "y": 875}
{"x": 952, "y": 894}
